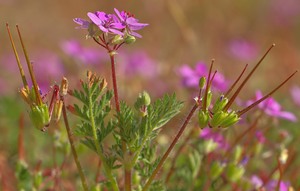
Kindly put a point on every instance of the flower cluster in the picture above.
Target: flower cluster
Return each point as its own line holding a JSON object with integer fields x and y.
{"x": 122, "y": 25}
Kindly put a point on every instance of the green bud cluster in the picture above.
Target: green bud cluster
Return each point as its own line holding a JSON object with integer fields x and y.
{"x": 217, "y": 116}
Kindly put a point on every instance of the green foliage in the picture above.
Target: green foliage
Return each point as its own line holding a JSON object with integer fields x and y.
{"x": 95, "y": 108}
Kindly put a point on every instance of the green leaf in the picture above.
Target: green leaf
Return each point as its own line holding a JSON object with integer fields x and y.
{"x": 163, "y": 110}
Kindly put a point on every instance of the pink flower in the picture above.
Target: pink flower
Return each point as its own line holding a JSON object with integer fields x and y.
{"x": 190, "y": 77}
{"x": 272, "y": 108}
{"x": 295, "y": 92}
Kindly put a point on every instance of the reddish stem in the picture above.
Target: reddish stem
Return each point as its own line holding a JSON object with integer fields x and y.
{"x": 165, "y": 156}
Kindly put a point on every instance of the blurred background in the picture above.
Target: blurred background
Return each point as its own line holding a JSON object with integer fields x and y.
{"x": 234, "y": 33}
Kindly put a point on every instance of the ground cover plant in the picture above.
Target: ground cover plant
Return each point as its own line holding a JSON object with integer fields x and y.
{"x": 98, "y": 139}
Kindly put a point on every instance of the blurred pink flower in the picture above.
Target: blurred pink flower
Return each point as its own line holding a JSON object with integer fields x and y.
{"x": 47, "y": 66}
{"x": 243, "y": 49}
{"x": 272, "y": 108}
{"x": 271, "y": 185}
{"x": 260, "y": 136}
{"x": 295, "y": 92}
{"x": 85, "y": 55}
{"x": 190, "y": 77}
{"x": 209, "y": 134}
{"x": 137, "y": 63}
{"x": 284, "y": 12}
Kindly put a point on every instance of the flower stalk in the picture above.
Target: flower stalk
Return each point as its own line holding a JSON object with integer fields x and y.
{"x": 167, "y": 153}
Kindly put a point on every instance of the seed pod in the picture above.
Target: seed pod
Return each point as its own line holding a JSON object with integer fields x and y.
{"x": 203, "y": 118}
{"x": 218, "y": 118}
{"x": 234, "y": 172}
{"x": 231, "y": 119}
{"x": 208, "y": 100}
{"x": 39, "y": 116}
{"x": 220, "y": 104}
{"x": 216, "y": 169}
{"x": 202, "y": 82}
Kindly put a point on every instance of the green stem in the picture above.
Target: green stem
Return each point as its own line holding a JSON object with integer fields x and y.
{"x": 107, "y": 170}
{"x": 75, "y": 156}
{"x": 163, "y": 159}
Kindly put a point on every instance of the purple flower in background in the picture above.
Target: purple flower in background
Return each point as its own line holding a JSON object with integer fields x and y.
{"x": 86, "y": 55}
{"x": 84, "y": 24}
{"x": 271, "y": 185}
{"x": 130, "y": 23}
{"x": 47, "y": 66}
{"x": 272, "y": 108}
{"x": 208, "y": 134}
{"x": 243, "y": 49}
{"x": 284, "y": 12}
{"x": 260, "y": 136}
{"x": 190, "y": 77}
{"x": 106, "y": 22}
{"x": 295, "y": 92}
{"x": 137, "y": 63}
{"x": 256, "y": 181}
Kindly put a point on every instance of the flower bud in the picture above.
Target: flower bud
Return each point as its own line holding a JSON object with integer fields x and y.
{"x": 220, "y": 104}
{"x": 234, "y": 172}
{"x": 208, "y": 99}
{"x": 218, "y": 118}
{"x": 37, "y": 179}
{"x": 142, "y": 102}
{"x": 129, "y": 39}
{"x": 231, "y": 119}
{"x": 202, "y": 82}
{"x": 118, "y": 39}
{"x": 203, "y": 118}
{"x": 39, "y": 116}
{"x": 216, "y": 169}
{"x": 237, "y": 154}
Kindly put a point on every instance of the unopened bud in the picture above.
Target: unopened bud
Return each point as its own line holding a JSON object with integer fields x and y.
{"x": 231, "y": 119}
{"x": 130, "y": 39}
{"x": 203, "y": 118}
{"x": 202, "y": 82}
{"x": 39, "y": 116}
{"x": 237, "y": 154}
{"x": 208, "y": 99}
{"x": 118, "y": 39}
{"x": 217, "y": 118}
{"x": 234, "y": 172}
{"x": 220, "y": 104}
{"x": 216, "y": 169}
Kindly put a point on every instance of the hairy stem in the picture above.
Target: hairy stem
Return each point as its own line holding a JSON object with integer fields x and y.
{"x": 163, "y": 159}
{"x": 107, "y": 170}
